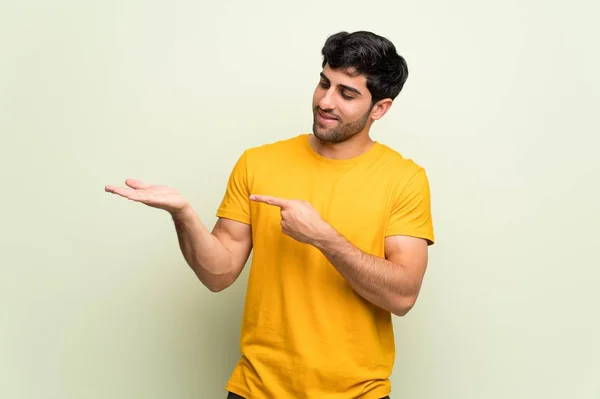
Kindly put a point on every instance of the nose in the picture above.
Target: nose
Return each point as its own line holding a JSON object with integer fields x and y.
{"x": 326, "y": 102}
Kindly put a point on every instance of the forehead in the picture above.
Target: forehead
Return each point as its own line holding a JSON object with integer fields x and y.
{"x": 346, "y": 77}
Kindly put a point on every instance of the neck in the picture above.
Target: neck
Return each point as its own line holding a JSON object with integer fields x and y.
{"x": 350, "y": 148}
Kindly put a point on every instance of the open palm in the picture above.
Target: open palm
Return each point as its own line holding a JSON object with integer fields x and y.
{"x": 160, "y": 197}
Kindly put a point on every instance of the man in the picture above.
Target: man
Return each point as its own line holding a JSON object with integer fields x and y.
{"x": 339, "y": 226}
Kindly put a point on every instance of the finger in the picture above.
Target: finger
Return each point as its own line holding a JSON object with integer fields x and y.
{"x": 280, "y": 202}
{"x": 125, "y": 192}
{"x": 137, "y": 184}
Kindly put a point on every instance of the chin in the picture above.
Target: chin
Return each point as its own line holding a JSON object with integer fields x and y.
{"x": 328, "y": 136}
{"x": 321, "y": 134}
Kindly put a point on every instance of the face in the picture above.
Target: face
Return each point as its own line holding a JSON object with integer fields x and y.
{"x": 341, "y": 106}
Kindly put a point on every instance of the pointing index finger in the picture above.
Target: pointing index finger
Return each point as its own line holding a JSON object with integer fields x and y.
{"x": 267, "y": 199}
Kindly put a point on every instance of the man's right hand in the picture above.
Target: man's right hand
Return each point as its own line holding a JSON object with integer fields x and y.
{"x": 216, "y": 257}
{"x": 160, "y": 197}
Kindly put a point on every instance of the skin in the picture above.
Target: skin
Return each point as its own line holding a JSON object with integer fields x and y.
{"x": 217, "y": 257}
{"x": 343, "y": 115}
{"x": 346, "y": 98}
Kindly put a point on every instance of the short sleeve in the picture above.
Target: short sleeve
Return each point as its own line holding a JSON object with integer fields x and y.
{"x": 235, "y": 204}
{"x": 411, "y": 209}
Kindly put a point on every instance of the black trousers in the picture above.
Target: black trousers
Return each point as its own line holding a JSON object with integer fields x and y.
{"x": 234, "y": 396}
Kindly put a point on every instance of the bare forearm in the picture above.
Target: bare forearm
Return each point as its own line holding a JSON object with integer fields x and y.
{"x": 381, "y": 282}
{"x": 204, "y": 253}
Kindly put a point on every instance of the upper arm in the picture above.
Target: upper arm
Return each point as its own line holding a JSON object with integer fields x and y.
{"x": 235, "y": 204}
{"x": 233, "y": 228}
{"x": 236, "y": 237}
{"x": 411, "y": 209}
{"x": 412, "y": 254}
{"x": 409, "y": 232}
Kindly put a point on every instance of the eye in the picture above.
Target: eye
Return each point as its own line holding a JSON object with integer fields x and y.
{"x": 346, "y": 96}
{"x": 324, "y": 84}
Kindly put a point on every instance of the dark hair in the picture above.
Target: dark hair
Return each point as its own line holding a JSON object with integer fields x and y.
{"x": 371, "y": 55}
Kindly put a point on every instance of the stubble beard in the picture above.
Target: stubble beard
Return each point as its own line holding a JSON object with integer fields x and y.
{"x": 341, "y": 132}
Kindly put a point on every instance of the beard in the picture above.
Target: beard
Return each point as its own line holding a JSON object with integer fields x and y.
{"x": 341, "y": 132}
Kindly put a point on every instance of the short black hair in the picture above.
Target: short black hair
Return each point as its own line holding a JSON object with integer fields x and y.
{"x": 371, "y": 55}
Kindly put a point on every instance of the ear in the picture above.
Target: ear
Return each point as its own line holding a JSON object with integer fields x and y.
{"x": 380, "y": 108}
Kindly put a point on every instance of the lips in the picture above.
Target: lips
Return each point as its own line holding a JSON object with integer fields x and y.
{"x": 326, "y": 116}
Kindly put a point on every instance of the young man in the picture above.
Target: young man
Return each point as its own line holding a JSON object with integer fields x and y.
{"x": 339, "y": 226}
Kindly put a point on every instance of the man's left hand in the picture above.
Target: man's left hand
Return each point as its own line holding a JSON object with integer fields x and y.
{"x": 299, "y": 219}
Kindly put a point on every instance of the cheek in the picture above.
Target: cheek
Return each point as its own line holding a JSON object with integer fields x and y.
{"x": 317, "y": 95}
{"x": 347, "y": 113}
{"x": 353, "y": 112}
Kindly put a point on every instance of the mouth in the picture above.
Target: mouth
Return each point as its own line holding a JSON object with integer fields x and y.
{"x": 325, "y": 118}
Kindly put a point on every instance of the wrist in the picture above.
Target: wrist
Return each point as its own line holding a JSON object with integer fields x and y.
{"x": 182, "y": 213}
{"x": 327, "y": 235}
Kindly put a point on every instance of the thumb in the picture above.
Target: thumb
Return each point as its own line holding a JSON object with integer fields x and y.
{"x": 137, "y": 184}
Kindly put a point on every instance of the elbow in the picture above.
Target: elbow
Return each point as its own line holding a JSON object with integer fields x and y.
{"x": 217, "y": 286}
{"x": 403, "y": 305}
{"x": 214, "y": 288}
{"x": 215, "y": 283}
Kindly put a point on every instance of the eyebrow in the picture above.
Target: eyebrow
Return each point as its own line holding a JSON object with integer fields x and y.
{"x": 349, "y": 88}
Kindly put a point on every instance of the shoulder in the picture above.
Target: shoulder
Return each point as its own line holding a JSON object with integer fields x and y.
{"x": 279, "y": 145}
{"x": 402, "y": 169}
{"x": 270, "y": 153}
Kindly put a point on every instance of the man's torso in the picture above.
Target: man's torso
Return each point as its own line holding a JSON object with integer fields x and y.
{"x": 306, "y": 333}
